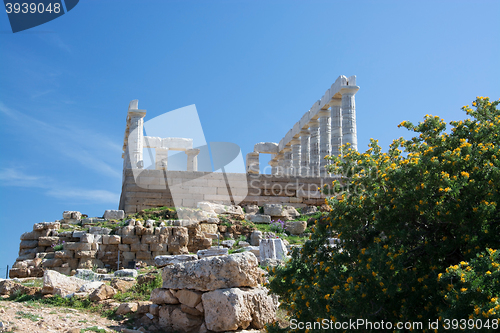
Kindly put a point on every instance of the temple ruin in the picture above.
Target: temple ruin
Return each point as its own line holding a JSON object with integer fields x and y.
{"x": 297, "y": 162}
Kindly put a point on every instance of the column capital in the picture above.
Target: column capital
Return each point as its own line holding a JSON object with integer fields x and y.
{"x": 273, "y": 163}
{"x": 336, "y": 102}
{"x": 137, "y": 113}
{"x": 192, "y": 152}
{"x": 304, "y": 132}
{"x": 313, "y": 123}
{"x": 295, "y": 141}
{"x": 324, "y": 113}
{"x": 287, "y": 149}
{"x": 349, "y": 90}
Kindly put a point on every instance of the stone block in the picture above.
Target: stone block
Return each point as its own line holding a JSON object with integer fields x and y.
{"x": 126, "y": 273}
{"x": 124, "y": 247}
{"x": 130, "y": 240}
{"x": 48, "y": 241}
{"x": 296, "y": 227}
{"x": 258, "y": 218}
{"x": 234, "y": 270}
{"x": 190, "y": 298}
{"x": 138, "y": 247}
{"x": 162, "y": 261}
{"x": 209, "y": 228}
{"x": 233, "y": 308}
{"x": 272, "y": 249}
{"x": 157, "y": 247}
{"x": 128, "y": 256}
{"x": 114, "y": 214}
{"x": 28, "y": 244}
{"x": 163, "y": 296}
{"x": 114, "y": 240}
{"x": 171, "y": 318}
{"x": 273, "y": 209}
{"x": 143, "y": 255}
{"x": 149, "y": 239}
{"x": 87, "y": 238}
{"x": 70, "y": 215}
{"x": 255, "y": 237}
{"x": 64, "y": 254}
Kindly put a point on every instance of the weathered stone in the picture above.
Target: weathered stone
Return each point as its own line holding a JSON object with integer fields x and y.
{"x": 228, "y": 243}
{"x": 173, "y": 319}
{"x": 114, "y": 240}
{"x": 219, "y": 209}
{"x": 190, "y": 310}
{"x": 112, "y": 214}
{"x": 234, "y": 270}
{"x": 188, "y": 297}
{"x": 255, "y": 237}
{"x": 87, "y": 238}
{"x": 46, "y": 225}
{"x": 266, "y": 148}
{"x": 233, "y": 308}
{"x": 99, "y": 231}
{"x": 258, "y": 218}
{"x": 28, "y": 244}
{"x": 252, "y": 209}
{"x": 309, "y": 210}
{"x": 122, "y": 285}
{"x": 58, "y": 284}
{"x": 64, "y": 254}
{"x": 76, "y": 246}
{"x": 162, "y": 261}
{"x": 101, "y": 293}
{"x": 154, "y": 309}
{"x": 90, "y": 286}
{"x": 273, "y": 249}
{"x": 243, "y": 244}
{"x": 209, "y": 228}
{"x": 254, "y": 249}
{"x": 78, "y": 234}
{"x": 69, "y": 215}
{"x": 163, "y": 296}
{"x": 130, "y": 239}
{"x": 290, "y": 212}
{"x": 10, "y": 288}
{"x": 125, "y": 308}
{"x": 143, "y": 306}
{"x": 213, "y": 251}
{"x": 273, "y": 209}
{"x": 296, "y": 227}
{"x": 126, "y": 272}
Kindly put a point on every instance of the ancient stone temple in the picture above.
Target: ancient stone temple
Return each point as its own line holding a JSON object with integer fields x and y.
{"x": 297, "y": 163}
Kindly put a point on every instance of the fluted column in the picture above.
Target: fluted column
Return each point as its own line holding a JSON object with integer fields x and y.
{"x": 314, "y": 148}
{"x": 305, "y": 142}
{"x": 325, "y": 133}
{"x": 336, "y": 126}
{"x": 192, "y": 159}
{"x": 295, "y": 142}
{"x": 287, "y": 163}
{"x": 161, "y": 158}
{"x": 349, "y": 134}
{"x": 136, "y": 138}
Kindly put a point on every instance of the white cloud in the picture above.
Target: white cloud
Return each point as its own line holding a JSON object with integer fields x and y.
{"x": 15, "y": 177}
{"x": 98, "y": 196}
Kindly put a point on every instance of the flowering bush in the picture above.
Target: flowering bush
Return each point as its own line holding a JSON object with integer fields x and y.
{"x": 277, "y": 226}
{"x": 419, "y": 229}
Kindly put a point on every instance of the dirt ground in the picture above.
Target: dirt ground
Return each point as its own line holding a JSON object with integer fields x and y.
{"x": 36, "y": 318}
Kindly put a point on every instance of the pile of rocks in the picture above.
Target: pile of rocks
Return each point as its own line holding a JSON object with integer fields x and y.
{"x": 219, "y": 294}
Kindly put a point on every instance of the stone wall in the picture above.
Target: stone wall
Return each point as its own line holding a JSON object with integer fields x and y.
{"x": 97, "y": 248}
{"x": 213, "y": 294}
{"x": 186, "y": 189}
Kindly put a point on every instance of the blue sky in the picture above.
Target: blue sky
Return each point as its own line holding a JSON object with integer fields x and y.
{"x": 252, "y": 68}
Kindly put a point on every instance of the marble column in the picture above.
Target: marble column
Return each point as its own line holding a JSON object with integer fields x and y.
{"x": 349, "y": 134}
{"x": 274, "y": 166}
{"x": 161, "y": 158}
{"x": 253, "y": 163}
{"x": 336, "y": 126}
{"x": 314, "y": 148}
{"x": 295, "y": 142}
{"x": 281, "y": 164}
{"x": 325, "y": 133}
{"x": 305, "y": 141}
{"x": 136, "y": 138}
{"x": 192, "y": 159}
{"x": 287, "y": 163}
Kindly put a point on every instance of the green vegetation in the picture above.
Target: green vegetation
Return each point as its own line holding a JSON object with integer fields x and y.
{"x": 139, "y": 292}
{"x": 418, "y": 232}
{"x": 28, "y": 315}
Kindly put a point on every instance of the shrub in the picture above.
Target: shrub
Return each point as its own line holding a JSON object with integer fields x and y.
{"x": 418, "y": 228}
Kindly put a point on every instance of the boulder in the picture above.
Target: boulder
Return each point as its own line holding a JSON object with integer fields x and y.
{"x": 125, "y": 308}
{"x": 296, "y": 227}
{"x": 9, "y": 288}
{"x": 219, "y": 209}
{"x": 234, "y": 270}
{"x": 90, "y": 287}
{"x": 102, "y": 293}
{"x": 290, "y": 212}
{"x": 58, "y": 284}
{"x": 162, "y": 261}
{"x": 122, "y": 285}
{"x": 112, "y": 214}
{"x": 258, "y": 218}
{"x": 234, "y": 308}
{"x": 228, "y": 243}
{"x": 251, "y": 209}
{"x": 163, "y": 296}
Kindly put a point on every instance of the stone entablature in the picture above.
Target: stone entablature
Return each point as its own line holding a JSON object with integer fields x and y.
{"x": 329, "y": 123}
